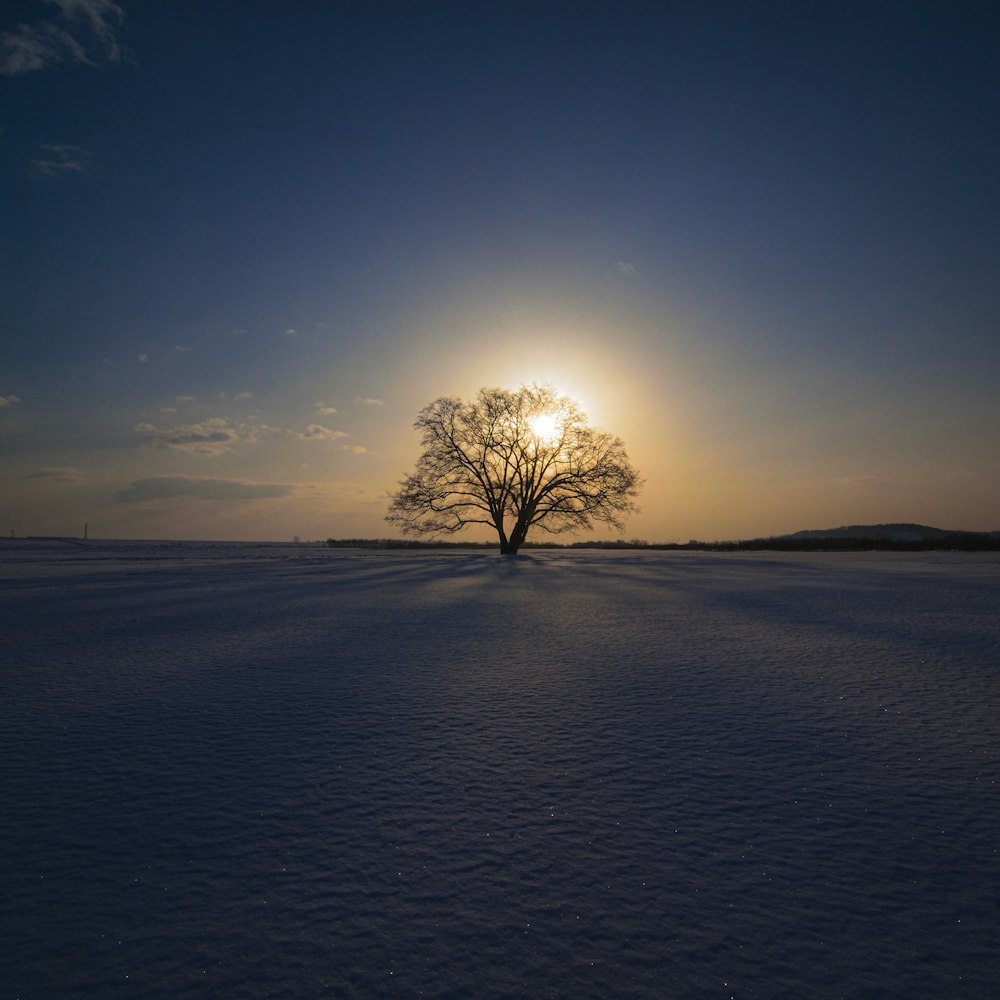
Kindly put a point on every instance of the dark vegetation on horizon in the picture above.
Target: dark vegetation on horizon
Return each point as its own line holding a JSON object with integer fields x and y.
{"x": 857, "y": 538}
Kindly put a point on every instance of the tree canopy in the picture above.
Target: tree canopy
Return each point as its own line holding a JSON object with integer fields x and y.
{"x": 513, "y": 460}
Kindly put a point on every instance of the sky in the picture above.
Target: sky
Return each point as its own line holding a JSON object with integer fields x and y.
{"x": 244, "y": 243}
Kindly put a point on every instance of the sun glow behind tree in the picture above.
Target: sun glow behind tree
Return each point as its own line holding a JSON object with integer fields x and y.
{"x": 545, "y": 427}
{"x": 513, "y": 460}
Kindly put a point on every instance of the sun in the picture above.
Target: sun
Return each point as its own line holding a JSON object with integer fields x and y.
{"x": 545, "y": 427}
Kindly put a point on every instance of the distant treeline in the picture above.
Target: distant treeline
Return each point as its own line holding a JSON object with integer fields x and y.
{"x": 414, "y": 543}
{"x": 948, "y": 543}
{"x": 960, "y": 541}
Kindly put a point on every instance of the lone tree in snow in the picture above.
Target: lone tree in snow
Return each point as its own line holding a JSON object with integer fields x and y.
{"x": 513, "y": 460}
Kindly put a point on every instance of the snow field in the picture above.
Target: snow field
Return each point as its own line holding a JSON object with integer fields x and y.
{"x": 249, "y": 771}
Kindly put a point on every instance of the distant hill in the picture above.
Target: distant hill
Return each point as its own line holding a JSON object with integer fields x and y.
{"x": 890, "y": 533}
{"x": 860, "y": 538}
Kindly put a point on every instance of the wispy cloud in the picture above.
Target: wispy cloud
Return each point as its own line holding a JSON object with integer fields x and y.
{"x": 214, "y": 436}
{"x": 66, "y": 474}
{"x": 143, "y": 359}
{"x": 355, "y": 449}
{"x": 171, "y": 487}
{"x": 82, "y": 31}
{"x": 327, "y": 411}
{"x": 219, "y": 435}
{"x": 8, "y": 401}
{"x": 317, "y": 432}
{"x": 625, "y": 267}
{"x": 55, "y": 159}
{"x": 370, "y": 402}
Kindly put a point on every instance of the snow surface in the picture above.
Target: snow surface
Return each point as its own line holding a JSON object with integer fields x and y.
{"x": 274, "y": 771}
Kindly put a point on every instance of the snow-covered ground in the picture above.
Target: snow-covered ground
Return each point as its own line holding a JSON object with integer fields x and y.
{"x": 274, "y": 771}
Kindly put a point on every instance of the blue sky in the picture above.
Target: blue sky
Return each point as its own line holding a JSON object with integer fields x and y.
{"x": 244, "y": 243}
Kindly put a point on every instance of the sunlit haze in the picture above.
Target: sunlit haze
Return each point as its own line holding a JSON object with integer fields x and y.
{"x": 245, "y": 244}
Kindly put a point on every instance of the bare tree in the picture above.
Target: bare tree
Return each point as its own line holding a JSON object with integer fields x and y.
{"x": 513, "y": 460}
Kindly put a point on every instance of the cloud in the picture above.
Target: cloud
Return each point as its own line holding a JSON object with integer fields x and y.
{"x": 291, "y": 332}
{"x": 317, "y": 432}
{"x": 370, "y": 402}
{"x": 62, "y": 158}
{"x": 625, "y": 267}
{"x": 8, "y": 401}
{"x": 67, "y": 474}
{"x": 357, "y": 449}
{"x": 327, "y": 411}
{"x": 82, "y": 31}
{"x": 214, "y": 436}
{"x": 143, "y": 359}
{"x": 184, "y": 399}
{"x": 219, "y": 435}
{"x": 171, "y": 487}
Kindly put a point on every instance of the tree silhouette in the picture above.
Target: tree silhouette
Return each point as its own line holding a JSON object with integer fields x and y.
{"x": 513, "y": 460}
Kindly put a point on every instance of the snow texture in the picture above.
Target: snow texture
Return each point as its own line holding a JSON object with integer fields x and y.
{"x": 244, "y": 771}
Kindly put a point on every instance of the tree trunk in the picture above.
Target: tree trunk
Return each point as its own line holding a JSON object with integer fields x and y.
{"x": 505, "y": 546}
{"x": 516, "y": 539}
